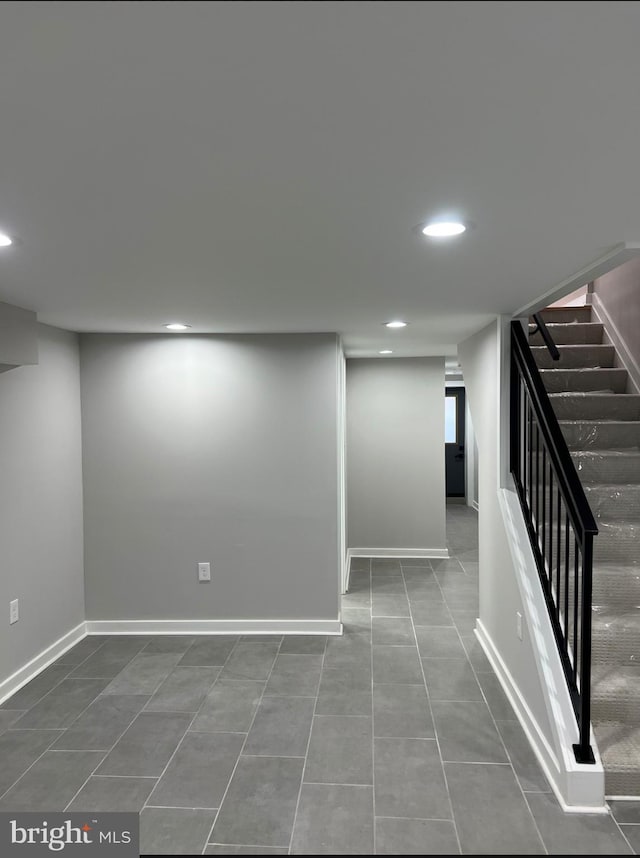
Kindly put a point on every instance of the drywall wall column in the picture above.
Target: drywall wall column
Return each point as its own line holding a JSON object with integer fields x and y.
{"x": 211, "y": 449}
{"x": 395, "y": 456}
{"x": 529, "y": 668}
{"x": 499, "y": 594}
{"x": 40, "y": 502}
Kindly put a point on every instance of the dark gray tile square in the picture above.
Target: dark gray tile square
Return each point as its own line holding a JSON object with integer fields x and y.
{"x": 184, "y": 689}
{"x": 439, "y": 642}
{"x": 390, "y": 606}
{"x": 353, "y": 620}
{"x": 9, "y": 717}
{"x": 402, "y": 711}
{"x": 421, "y": 590}
{"x": 19, "y": 749}
{"x": 409, "y": 781}
{"x": 388, "y": 586}
{"x": 357, "y": 599}
{"x": 415, "y": 837}
{"x": 170, "y": 643}
{"x": 624, "y": 812}
{"x": 199, "y": 772}
{"x": 360, "y": 564}
{"x": 447, "y": 565}
{"x": 230, "y": 706}
{"x": 476, "y": 654}
{"x": 209, "y": 652}
{"x": 385, "y": 565}
{"x": 464, "y": 621}
{"x": 281, "y": 727}
{"x": 340, "y": 751}
{"x": 575, "y": 833}
{"x": 144, "y": 673}
{"x": 490, "y": 812}
{"x": 523, "y": 759}
{"x": 52, "y": 781}
{"x": 466, "y": 733}
{"x": 352, "y": 650}
{"x": 167, "y": 831}
{"x": 145, "y": 748}
{"x": 345, "y": 691}
{"x": 396, "y": 664}
{"x": 60, "y": 708}
{"x": 450, "y": 679}
{"x": 334, "y": 820}
{"x": 294, "y": 675}
{"x": 251, "y": 813}
{"x": 111, "y": 658}
{"x": 36, "y": 689}
{"x": 102, "y": 724}
{"x": 304, "y": 644}
{"x": 499, "y": 705}
{"x": 250, "y": 661}
{"x": 396, "y": 631}
{"x": 228, "y": 849}
{"x": 430, "y": 613}
{"x": 415, "y": 562}
{"x": 632, "y": 833}
{"x": 82, "y": 650}
{"x": 109, "y": 795}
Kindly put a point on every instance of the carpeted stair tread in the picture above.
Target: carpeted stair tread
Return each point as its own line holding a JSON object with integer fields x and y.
{"x": 593, "y": 405}
{"x": 601, "y": 434}
{"x": 571, "y": 334}
{"x": 576, "y": 356}
{"x": 558, "y": 380}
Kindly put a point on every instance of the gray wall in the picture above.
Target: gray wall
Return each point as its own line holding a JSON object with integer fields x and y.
{"x": 499, "y": 592}
{"x": 619, "y": 292}
{"x": 395, "y": 453}
{"x": 219, "y": 449}
{"x": 40, "y": 500}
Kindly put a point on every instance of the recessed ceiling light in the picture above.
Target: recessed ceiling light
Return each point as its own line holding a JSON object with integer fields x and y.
{"x": 5, "y": 241}
{"x": 443, "y": 228}
{"x": 386, "y": 352}
{"x": 397, "y": 323}
{"x": 177, "y": 326}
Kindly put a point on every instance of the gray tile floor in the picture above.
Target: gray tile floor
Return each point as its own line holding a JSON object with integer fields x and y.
{"x": 393, "y": 739}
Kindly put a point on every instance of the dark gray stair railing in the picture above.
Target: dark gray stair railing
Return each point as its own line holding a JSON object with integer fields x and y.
{"x": 559, "y": 521}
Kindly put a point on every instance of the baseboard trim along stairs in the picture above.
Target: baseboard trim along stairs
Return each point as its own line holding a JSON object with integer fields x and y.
{"x": 597, "y": 404}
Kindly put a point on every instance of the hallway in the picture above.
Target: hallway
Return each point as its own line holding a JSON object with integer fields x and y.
{"x": 395, "y": 738}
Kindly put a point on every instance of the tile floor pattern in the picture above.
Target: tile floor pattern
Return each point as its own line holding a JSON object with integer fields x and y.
{"x": 395, "y": 738}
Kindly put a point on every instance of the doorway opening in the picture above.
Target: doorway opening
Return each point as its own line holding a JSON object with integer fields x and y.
{"x": 454, "y": 440}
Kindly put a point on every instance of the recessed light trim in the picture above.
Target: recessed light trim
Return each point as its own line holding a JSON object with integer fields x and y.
{"x": 395, "y": 323}
{"x": 386, "y": 352}
{"x": 5, "y": 240}
{"x": 177, "y": 326}
{"x": 443, "y": 228}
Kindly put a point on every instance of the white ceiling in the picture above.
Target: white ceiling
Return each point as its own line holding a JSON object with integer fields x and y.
{"x": 259, "y": 166}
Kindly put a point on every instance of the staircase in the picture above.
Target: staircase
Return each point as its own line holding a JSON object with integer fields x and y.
{"x": 599, "y": 412}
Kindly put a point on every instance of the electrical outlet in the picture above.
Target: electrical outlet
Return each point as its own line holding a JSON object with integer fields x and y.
{"x": 519, "y": 624}
{"x": 204, "y": 571}
{"x": 14, "y": 612}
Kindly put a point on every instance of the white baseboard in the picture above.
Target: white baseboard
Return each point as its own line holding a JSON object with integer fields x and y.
{"x": 440, "y": 553}
{"x": 214, "y": 627}
{"x": 541, "y": 748}
{"x": 614, "y": 335}
{"x": 32, "y": 668}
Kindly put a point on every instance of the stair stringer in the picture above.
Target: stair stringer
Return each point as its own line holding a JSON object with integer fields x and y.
{"x": 578, "y": 787}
